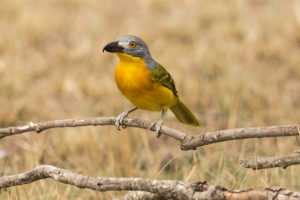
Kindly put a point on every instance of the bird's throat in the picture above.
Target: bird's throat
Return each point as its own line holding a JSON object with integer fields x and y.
{"x": 128, "y": 58}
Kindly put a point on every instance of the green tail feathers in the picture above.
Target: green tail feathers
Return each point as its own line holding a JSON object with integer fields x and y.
{"x": 184, "y": 115}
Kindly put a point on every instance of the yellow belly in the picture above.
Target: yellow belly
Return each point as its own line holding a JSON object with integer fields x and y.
{"x": 134, "y": 81}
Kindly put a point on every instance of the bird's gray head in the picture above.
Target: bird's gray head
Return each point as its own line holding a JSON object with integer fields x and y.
{"x": 130, "y": 45}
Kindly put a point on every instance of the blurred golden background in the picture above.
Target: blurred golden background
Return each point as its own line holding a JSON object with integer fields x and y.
{"x": 235, "y": 64}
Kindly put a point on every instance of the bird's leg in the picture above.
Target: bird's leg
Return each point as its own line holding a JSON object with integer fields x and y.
{"x": 159, "y": 123}
{"x": 121, "y": 117}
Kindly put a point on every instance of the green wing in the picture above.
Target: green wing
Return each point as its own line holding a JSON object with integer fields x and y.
{"x": 161, "y": 75}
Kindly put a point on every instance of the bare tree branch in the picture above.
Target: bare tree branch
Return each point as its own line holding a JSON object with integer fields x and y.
{"x": 188, "y": 142}
{"x": 274, "y": 193}
{"x": 95, "y": 121}
{"x": 156, "y": 189}
{"x": 270, "y": 162}
{"x": 237, "y": 134}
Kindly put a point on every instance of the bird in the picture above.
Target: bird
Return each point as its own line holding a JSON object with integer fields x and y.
{"x": 145, "y": 82}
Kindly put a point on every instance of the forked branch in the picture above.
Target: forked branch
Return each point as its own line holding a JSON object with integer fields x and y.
{"x": 163, "y": 189}
{"x": 187, "y": 142}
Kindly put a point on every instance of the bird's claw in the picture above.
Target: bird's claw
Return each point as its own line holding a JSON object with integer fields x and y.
{"x": 120, "y": 119}
{"x": 157, "y": 125}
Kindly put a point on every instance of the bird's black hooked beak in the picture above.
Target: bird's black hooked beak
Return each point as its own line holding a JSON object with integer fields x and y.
{"x": 113, "y": 47}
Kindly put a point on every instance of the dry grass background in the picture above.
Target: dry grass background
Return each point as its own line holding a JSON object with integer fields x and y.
{"x": 235, "y": 64}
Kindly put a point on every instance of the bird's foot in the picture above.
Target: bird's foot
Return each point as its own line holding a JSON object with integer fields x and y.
{"x": 157, "y": 125}
{"x": 120, "y": 119}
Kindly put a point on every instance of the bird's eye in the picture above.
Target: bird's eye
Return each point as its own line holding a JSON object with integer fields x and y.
{"x": 132, "y": 44}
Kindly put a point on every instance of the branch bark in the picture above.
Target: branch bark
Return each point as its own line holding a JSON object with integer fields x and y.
{"x": 274, "y": 193}
{"x": 155, "y": 189}
{"x": 271, "y": 162}
{"x": 187, "y": 142}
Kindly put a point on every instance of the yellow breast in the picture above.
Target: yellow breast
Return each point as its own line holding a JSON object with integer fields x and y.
{"x": 134, "y": 81}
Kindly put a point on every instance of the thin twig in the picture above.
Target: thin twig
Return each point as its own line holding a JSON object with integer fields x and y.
{"x": 271, "y": 162}
{"x": 188, "y": 142}
{"x": 163, "y": 189}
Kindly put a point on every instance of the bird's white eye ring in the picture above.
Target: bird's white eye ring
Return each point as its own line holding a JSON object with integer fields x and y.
{"x": 132, "y": 44}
